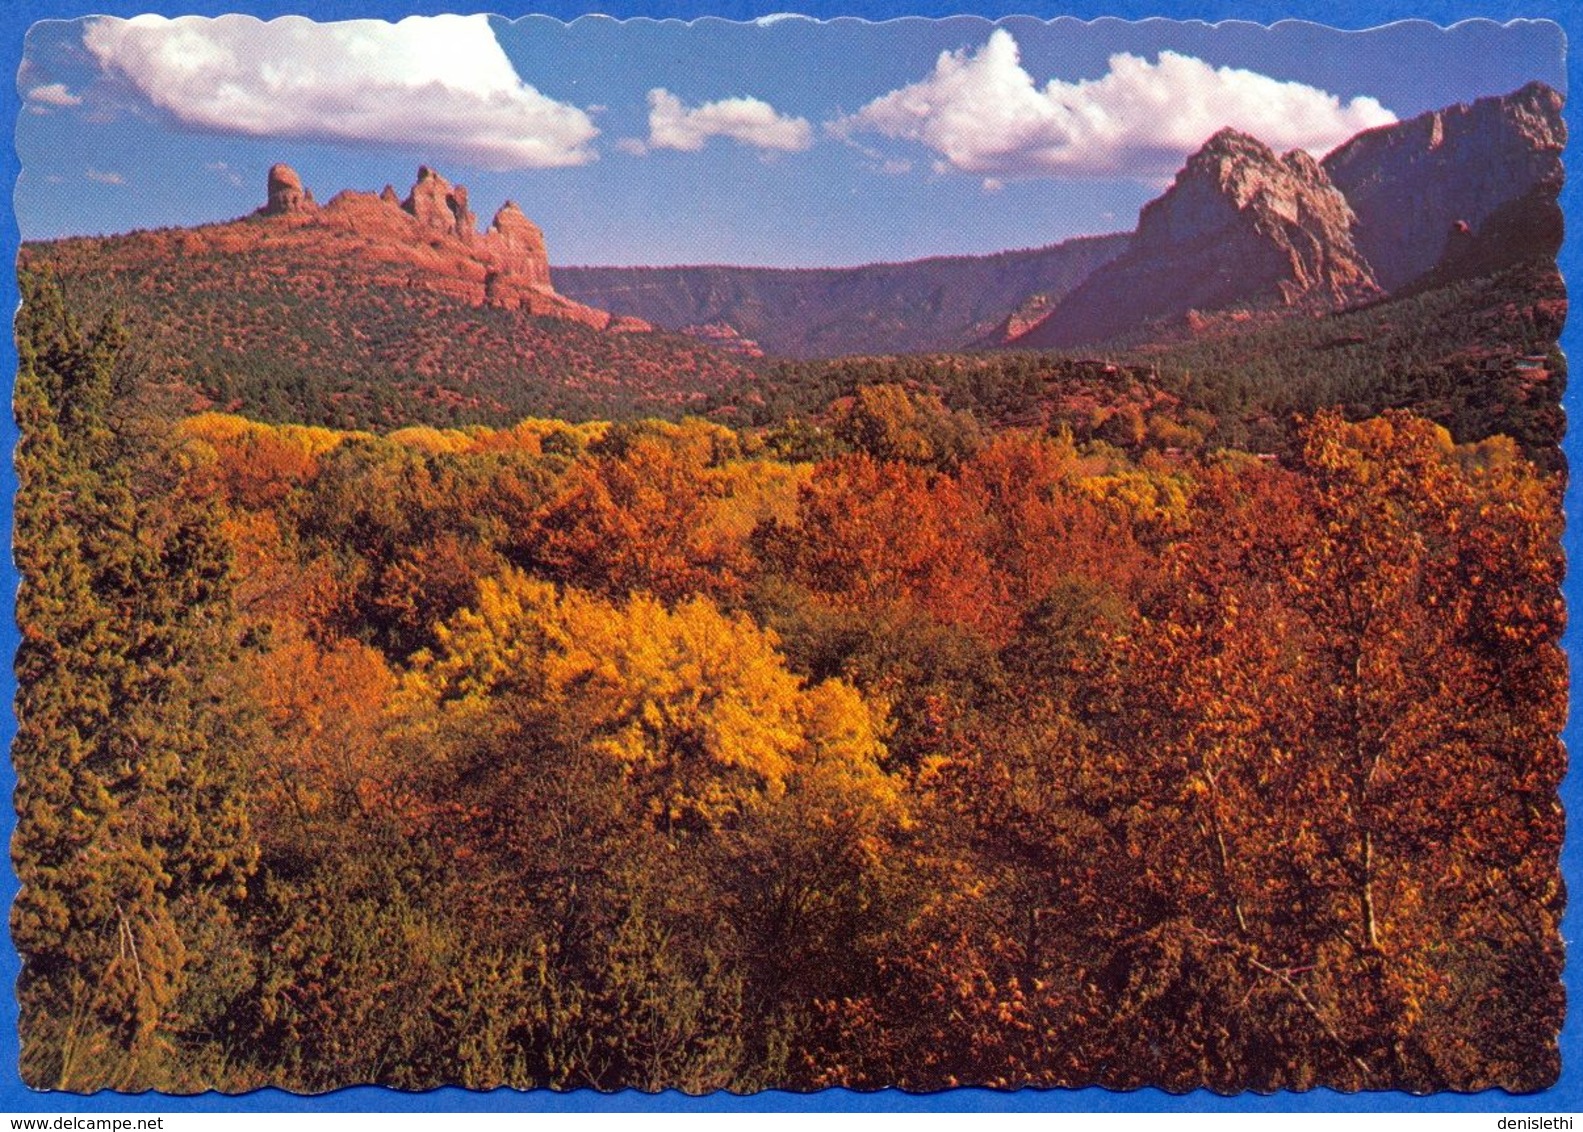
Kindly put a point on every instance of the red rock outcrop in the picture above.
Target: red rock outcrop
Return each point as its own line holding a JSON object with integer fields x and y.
{"x": 1409, "y": 182}
{"x": 440, "y": 205}
{"x": 516, "y": 246}
{"x": 286, "y": 194}
{"x": 1028, "y": 314}
{"x": 1240, "y": 229}
{"x": 429, "y": 241}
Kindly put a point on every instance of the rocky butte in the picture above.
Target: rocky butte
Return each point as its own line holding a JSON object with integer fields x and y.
{"x": 428, "y": 241}
{"x": 1240, "y": 228}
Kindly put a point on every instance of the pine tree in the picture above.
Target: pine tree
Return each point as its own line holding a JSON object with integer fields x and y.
{"x": 131, "y": 836}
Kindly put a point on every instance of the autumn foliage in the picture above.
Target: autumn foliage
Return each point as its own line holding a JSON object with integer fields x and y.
{"x": 666, "y": 755}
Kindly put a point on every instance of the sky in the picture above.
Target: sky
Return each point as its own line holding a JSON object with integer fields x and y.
{"x": 786, "y": 142}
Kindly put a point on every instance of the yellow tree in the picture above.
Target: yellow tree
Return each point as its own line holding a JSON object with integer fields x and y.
{"x": 685, "y": 830}
{"x": 694, "y": 704}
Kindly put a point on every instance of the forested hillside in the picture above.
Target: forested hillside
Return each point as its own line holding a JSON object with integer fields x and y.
{"x": 899, "y": 748}
{"x": 1477, "y": 356}
{"x": 327, "y": 326}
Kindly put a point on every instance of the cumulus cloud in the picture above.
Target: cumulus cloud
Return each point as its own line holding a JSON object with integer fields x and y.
{"x": 53, "y": 94}
{"x": 750, "y": 121}
{"x": 441, "y": 84}
{"x": 983, "y": 113}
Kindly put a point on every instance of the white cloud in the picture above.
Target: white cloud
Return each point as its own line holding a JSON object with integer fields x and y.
{"x": 750, "y": 121}
{"x": 982, "y": 113}
{"x": 225, "y": 171}
{"x": 101, "y": 177}
{"x": 441, "y": 84}
{"x": 634, "y": 146}
{"x": 53, "y": 94}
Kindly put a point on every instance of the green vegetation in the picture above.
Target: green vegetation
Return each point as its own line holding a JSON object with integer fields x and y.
{"x": 1454, "y": 354}
{"x": 904, "y": 746}
{"x": 316, "y": 343}
{"x": 1458, "y": 355}
{"x": 132, "y": 842}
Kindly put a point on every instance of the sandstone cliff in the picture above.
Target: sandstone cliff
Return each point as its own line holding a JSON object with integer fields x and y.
{"x": 1410, "y": 183}
{"x": 1240, "y": 228}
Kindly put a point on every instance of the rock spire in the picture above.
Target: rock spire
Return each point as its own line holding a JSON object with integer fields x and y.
{"x": 286, "y": 194}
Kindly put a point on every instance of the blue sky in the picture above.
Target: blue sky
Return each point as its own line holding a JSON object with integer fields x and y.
{"x": 790, "y": 142}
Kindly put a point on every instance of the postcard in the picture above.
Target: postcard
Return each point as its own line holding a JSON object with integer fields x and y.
{"x": 786, "y": 558}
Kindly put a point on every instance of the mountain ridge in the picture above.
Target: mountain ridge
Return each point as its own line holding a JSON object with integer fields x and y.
{"x": 929, "y": 304}
{"x": 1245, "y": 233}
{"x": 1410, "y": 182}
{"x": 369, "y": 309}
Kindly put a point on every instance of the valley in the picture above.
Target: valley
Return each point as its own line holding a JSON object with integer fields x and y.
{"x": 1131, "y": 662}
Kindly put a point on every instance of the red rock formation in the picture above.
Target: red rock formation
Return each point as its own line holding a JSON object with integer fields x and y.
{"x": 372, "y": 217}
{"x": 1240, "y": 229}
{"x": 286, "y": 194}
{"x": 427, "y": 242}
{"x": 1409, "y": 182}
{"x": 516, "y": 245}
{"x": 441, "y": 206}
{"x": 1028, "y": 314}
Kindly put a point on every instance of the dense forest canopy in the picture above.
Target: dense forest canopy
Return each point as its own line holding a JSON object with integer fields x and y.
{"x": 891, "y": 739}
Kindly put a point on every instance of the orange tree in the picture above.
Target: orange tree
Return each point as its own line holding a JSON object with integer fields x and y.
{"x": 1291, "y": 822}
{"x": 1344, "y": 708}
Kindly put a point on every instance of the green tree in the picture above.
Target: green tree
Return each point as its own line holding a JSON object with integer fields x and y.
{"x": 889, "y": 423}
{"x": 131, "y": 837}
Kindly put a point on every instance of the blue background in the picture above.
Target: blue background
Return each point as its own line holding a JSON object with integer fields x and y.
{"x": 1567, "y": 1095}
